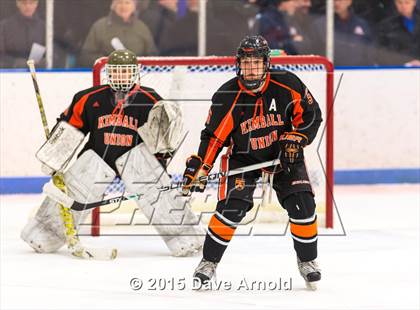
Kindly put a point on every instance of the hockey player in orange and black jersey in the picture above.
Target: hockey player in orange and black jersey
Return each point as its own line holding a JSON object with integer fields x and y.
{"x": 112, "y": 113}
{"x": 131, "y": 130}
{"x": 262, "y": 115}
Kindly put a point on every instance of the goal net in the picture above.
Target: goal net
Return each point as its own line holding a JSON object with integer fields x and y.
{"x": 191, "y": 82}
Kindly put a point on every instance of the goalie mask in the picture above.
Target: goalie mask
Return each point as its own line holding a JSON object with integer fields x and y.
{"x": 252, "y": 61}
{"x": 122, "y": 70}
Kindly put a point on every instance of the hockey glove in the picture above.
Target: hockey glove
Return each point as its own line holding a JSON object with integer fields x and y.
{"x": 291, "y": 149}
{"x": 193, "y": 172}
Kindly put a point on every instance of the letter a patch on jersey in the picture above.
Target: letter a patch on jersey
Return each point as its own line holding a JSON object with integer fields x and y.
{"x": 273, "y": 106}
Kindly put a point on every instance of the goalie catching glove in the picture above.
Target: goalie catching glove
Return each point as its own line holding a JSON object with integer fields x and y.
{"x": 193, "y": 172}
{"x": 163, "y": 131}
{"x": 291, "y": 149}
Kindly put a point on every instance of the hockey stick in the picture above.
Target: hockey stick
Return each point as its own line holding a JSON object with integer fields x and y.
{"x": 79, "y": 206}
{"x": 73, "y": 241}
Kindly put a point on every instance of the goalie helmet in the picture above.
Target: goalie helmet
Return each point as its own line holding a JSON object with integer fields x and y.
{"x": 122, "y": 70}
{"x": 253, "y": 46}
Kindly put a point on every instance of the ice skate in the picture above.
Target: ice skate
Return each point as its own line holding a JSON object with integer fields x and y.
{"x": 205, "y": 271}
{"x": 310, "y": 273}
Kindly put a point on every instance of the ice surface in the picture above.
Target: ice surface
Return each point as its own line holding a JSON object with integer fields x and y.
{"x": 374, "y": 266}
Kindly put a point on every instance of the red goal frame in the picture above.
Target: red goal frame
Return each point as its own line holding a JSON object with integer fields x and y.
{"x": 230, "y": 61}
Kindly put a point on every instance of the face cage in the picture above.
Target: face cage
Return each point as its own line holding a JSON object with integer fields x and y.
{"x": 119, "y": 80}
{"x": 252, "y": 84}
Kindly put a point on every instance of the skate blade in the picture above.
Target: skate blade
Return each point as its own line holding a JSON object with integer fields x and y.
{"x": 311, "y": 285}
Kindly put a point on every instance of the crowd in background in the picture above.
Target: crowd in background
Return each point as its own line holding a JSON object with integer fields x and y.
{"x": 367, "y": 33}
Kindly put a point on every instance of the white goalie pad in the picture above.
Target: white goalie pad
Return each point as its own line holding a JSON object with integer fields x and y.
{"x": 162, "y": 132}
{"x": 57, "y": 151}
{"x": 86, "y": 181}
{"x": 88, "y": 178}
{"x": 45, "y": 232}
{"x": 167, "y": 211}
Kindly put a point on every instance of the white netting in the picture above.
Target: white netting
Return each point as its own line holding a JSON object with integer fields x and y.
{"x": 145, "y": 69}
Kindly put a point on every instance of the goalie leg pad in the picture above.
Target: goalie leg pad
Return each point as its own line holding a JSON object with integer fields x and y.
{"x": 88, "y": 178}
{"x": 57, "y": 195}
{"x": 86, "y": 181}
{"x": 45, "y": 232}
{"x": 167, "y": 211}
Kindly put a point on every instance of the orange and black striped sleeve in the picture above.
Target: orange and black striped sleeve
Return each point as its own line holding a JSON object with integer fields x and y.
{"x": 219, "y": 125}
{"x": 305, "y": 114}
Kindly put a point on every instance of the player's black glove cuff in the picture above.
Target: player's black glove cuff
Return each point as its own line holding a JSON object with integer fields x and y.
{"x": 193, "y": 171}
{"x": 291, "y": 149}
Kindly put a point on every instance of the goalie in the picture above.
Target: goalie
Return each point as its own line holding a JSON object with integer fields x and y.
{"x": 132, "y": 132}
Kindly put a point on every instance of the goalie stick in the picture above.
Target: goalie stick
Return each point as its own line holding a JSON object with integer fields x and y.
{"x": 72, "y": 240}
{"x": 79, "y": 206}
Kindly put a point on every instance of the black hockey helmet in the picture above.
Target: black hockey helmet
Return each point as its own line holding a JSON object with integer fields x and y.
{"x": 253, "y": 46}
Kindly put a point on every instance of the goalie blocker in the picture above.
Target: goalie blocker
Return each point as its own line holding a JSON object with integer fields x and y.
{"x": 60, "y": 147}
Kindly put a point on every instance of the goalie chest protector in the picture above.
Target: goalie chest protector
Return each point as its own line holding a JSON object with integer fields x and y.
{"x": 112, "y": 123}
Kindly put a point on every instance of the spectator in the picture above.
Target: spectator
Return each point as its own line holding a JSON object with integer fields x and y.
{"x": 300, "y": 20}
{"x": 121, "y": 29}
{"x": 399, "y": 36}
{"x": 182, "y": 40}
{"x": 352, "y": 36}
{"x": 318, "y": 7}
{"x": 21, "y": 34}
{"x": 70, "y": 39}
{"x": 373, "y": 11}
{"x": 160, "y": 17}
{"x": 229, "y": 22}
{"x": 369, "y": 10}
{"x": 272, "y": 24}
{"x": 304, "y": 7}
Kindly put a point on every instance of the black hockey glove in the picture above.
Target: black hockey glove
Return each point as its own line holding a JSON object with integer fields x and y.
{"x": 194, "y": 170}
{"x": 291, "y": 149}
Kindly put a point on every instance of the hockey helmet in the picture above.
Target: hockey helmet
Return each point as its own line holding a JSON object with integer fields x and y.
{"x": 122, "y": 70}
{"x": 253, "y": 46}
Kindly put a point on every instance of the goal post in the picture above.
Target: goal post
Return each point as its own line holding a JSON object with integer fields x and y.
{"x": 191, "y": 81}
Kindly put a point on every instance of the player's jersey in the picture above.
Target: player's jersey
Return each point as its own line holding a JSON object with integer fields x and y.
{"x": 253, "y": 122}
{"x": 112, "y": 123}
